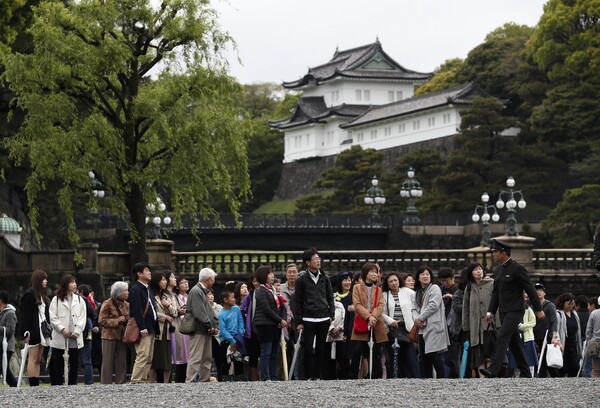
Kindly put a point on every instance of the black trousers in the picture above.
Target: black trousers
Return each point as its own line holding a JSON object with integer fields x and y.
{"x": 10, "y": 378}
{"x": 57, "y": 366}
{"x": 508, "y": 336}
{"x": 314, "y": 332}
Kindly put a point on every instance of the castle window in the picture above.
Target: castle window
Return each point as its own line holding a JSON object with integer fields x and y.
{"x": 391, "y": 96}
{"x": 431, "y": 121}
{"x": 387, "y": 131}
{"x": 416, "y": 125}
{"x": 402, "y": 128}
{"x": 358, "y": 95}
{"x": 367, "y": 95}
{"x": 373, "y": 134}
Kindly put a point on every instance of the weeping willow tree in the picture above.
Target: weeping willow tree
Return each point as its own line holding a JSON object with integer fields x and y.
{"x": 137, "y": 92}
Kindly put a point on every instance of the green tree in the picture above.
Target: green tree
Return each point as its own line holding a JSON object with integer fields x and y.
{"x": 347, "y": 183}
{"x": 92, "y": 105}
{"x": 565, "y": 46}
{"x": 444, "y": 77}
{"x": 573, "y": 222}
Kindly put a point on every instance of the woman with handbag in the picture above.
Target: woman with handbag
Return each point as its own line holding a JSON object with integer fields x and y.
{"x": 429, "y": 316}
{"x": 397, "y": 315}
{"x": 477, "y": 297}
{"x": 165, "y": 313}
{"x": 367, "y": 299}
{"x": 69, "y": 319}
{"x": 569, "y": 333}
{"x": 113, "y": 318}
{"x": 34, "y": 315}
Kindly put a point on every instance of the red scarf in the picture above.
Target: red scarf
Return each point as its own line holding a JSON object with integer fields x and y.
{"x": 92, "y": 302}
{"x": 270, "y": 289}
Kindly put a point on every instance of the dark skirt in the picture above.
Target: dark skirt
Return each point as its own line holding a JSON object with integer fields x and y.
{"x": 476, "y": 357}
{"x": 161, "y": 359}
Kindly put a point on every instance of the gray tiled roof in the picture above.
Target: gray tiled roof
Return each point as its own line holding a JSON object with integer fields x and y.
{"x": 313, "y": 110}
{"x": 462, "y": 94}
{"x": 348, "y": 63}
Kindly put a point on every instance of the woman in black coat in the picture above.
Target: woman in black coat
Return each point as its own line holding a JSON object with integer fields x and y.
{"x": 34, "y": 310}
{"x": 269, "y": 318}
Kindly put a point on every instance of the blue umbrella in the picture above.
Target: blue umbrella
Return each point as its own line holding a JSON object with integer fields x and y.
{"x": 465, "y": 358}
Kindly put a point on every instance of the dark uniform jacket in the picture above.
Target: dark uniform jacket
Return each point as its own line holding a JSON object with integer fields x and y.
{"x": 510, "y": 281}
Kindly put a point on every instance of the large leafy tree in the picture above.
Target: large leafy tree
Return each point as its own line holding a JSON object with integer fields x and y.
{"x": 345, "y": 183}
{"x": 573, "y": 222}
{"x": 566, "y": 47}
{"x": 92, "y": 105}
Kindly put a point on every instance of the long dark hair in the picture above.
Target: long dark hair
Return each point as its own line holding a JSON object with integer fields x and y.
{"x": 39, "y": 292}
{"x": 421, "y": 270}
{"x": 63, "y": 287}
{"x": 155, "y": 283}
{"x": 237, "y": 292}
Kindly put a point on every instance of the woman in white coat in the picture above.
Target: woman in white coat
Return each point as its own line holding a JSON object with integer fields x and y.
{"x": 397, "y": 315}
{"x": 68, "y": 320}
{"x": 429, "y": 315}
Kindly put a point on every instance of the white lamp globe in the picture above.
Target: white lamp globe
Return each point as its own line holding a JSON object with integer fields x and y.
{"x": 522, "y": 204}
{"x": 510, "y": 182}
{"x": 485, "y": 218}
{"x": 495, "y": 218}
{"x": 475, "y": 217}
{"x": 500, "y": 204}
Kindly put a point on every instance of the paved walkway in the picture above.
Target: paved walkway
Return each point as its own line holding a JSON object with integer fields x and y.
{"x": 563, "y": 392}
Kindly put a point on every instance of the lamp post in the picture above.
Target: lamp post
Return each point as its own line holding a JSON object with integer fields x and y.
{"x": 411, "y": 189}
{"x": 485, "y": 218}
{"x": 375, "y": 198}
{"x": 511, "y": 204}
{"x": 98, "y": 192}
{"x": 157, "y": 215}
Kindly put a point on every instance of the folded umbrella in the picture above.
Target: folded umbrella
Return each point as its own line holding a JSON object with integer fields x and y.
{"x": 284, "y": 357}
{"x": 464, "y": 360}
{"x": 66, "y": 358}
{"x": 371, "y": 355}
{"x": 295, "y": 357}
{"x": 542, "y": 351}
{"x": 4, "y": 356}
{"x": 24, "y": 353}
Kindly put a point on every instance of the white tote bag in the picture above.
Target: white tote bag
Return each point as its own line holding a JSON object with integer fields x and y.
{"x": 554, "y": 357}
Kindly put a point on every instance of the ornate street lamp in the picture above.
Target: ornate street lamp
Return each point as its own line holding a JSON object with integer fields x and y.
{"x": 411, "y": 189}
{"x": 511, "y": 205}
{"x": 157, "y": 215}
{"x": 375, "y": 198}
{"x": 485, "y": 218}
{"x": 98, "y": 192}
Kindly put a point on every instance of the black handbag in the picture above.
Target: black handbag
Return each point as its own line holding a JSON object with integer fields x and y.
{"x": 45, "y": 326}
{"x": 489, "y": 341}
{"x": 400, "y": 333}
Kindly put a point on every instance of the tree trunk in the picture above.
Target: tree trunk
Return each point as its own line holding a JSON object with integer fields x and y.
{"x": 137, "y": 212}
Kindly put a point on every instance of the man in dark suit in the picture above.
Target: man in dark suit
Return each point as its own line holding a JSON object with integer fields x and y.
{"x": 510, "y": 280}
{"x": 142, "y": 307}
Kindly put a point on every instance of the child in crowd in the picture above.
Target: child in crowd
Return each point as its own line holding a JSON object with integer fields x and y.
{"x": 231, "y": 334}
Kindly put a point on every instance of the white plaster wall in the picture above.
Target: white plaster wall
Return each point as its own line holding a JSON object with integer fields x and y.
{"x": 344, "y": 91}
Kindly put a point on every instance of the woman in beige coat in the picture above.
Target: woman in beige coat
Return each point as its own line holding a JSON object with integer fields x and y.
{"x": 367, "y": 299}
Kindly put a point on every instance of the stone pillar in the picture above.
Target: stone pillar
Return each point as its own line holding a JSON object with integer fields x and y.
{"x": 159, "y": 253}
{"x": 522, "y": 249}
{"x": 89, "y": 253}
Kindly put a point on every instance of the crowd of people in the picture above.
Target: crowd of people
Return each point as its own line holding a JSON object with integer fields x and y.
{"x": 369, "y": 324}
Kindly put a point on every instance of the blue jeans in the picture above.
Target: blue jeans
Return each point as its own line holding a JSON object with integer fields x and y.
{"x": 268, "y": 336}
{"x": 85, "y": 358}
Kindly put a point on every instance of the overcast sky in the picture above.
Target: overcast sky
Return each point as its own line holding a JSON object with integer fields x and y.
{"x": 279, "y": 39}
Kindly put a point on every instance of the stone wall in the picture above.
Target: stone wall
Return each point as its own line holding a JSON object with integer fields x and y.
{"x": 298, "y": 178}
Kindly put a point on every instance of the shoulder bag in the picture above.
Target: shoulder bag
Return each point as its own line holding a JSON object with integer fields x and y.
{"x": 188, "y": 325}
{"x": 361, "y": 325}
{"x": 132, "y": 331}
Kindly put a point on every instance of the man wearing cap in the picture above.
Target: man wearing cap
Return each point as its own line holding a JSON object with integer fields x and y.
{"x": 547, "y": 326}
{"x": 510, "y": 280}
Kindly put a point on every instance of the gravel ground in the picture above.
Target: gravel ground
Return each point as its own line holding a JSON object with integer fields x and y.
{"x": 563, "y": 392}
